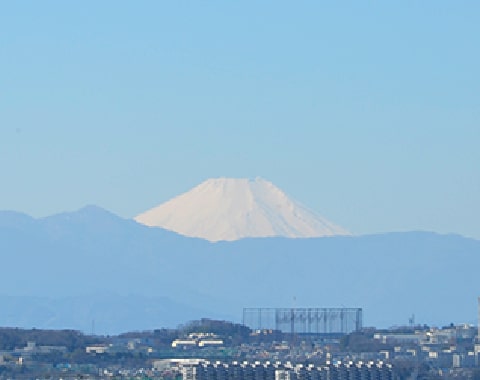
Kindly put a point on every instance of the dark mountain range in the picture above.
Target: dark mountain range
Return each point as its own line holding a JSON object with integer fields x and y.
{"x": 70, "y": 269}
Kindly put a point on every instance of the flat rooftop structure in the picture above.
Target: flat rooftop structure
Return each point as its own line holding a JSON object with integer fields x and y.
{"x": 304, "y": 320}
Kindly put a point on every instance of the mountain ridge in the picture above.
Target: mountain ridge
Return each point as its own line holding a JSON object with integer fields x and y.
{"x": 388, "y": 275}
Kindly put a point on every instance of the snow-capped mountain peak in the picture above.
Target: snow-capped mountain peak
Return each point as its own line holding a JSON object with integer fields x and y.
{"x": 232, "y": 209}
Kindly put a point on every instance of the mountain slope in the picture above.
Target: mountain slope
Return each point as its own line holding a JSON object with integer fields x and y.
{"x": 90, "y": 252}
{"x": 231, "y": 209}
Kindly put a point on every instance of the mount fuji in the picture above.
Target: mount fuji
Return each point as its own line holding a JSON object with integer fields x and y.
{"x": 231, "y": 209}
{"x": 65, "y": 270}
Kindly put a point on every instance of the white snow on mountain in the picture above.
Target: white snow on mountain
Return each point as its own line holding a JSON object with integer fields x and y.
{"x": 231, "y": 209}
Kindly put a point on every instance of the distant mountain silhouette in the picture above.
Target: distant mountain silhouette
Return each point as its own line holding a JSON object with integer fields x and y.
{"x": 92, "y": 251}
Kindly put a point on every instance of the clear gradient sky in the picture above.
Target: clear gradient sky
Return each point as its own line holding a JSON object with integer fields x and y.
{"x": 367, "y": 112}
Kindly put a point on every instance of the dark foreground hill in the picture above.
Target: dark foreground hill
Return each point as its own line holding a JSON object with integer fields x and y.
{"x": 69, "y": 270}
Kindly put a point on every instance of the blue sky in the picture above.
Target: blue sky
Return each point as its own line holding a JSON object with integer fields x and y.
{"x": 366, "y": 112}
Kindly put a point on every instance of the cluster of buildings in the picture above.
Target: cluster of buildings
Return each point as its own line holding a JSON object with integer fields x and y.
{"x": 449, "y": 347}
{"x": 316, "y": 344}
{"x": 30, "y": 350}
{"x": 286, "y": 371}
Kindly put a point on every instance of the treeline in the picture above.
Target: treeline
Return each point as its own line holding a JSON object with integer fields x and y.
{"x": 11, "y": 338}
{"x": 231, "y": 333}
